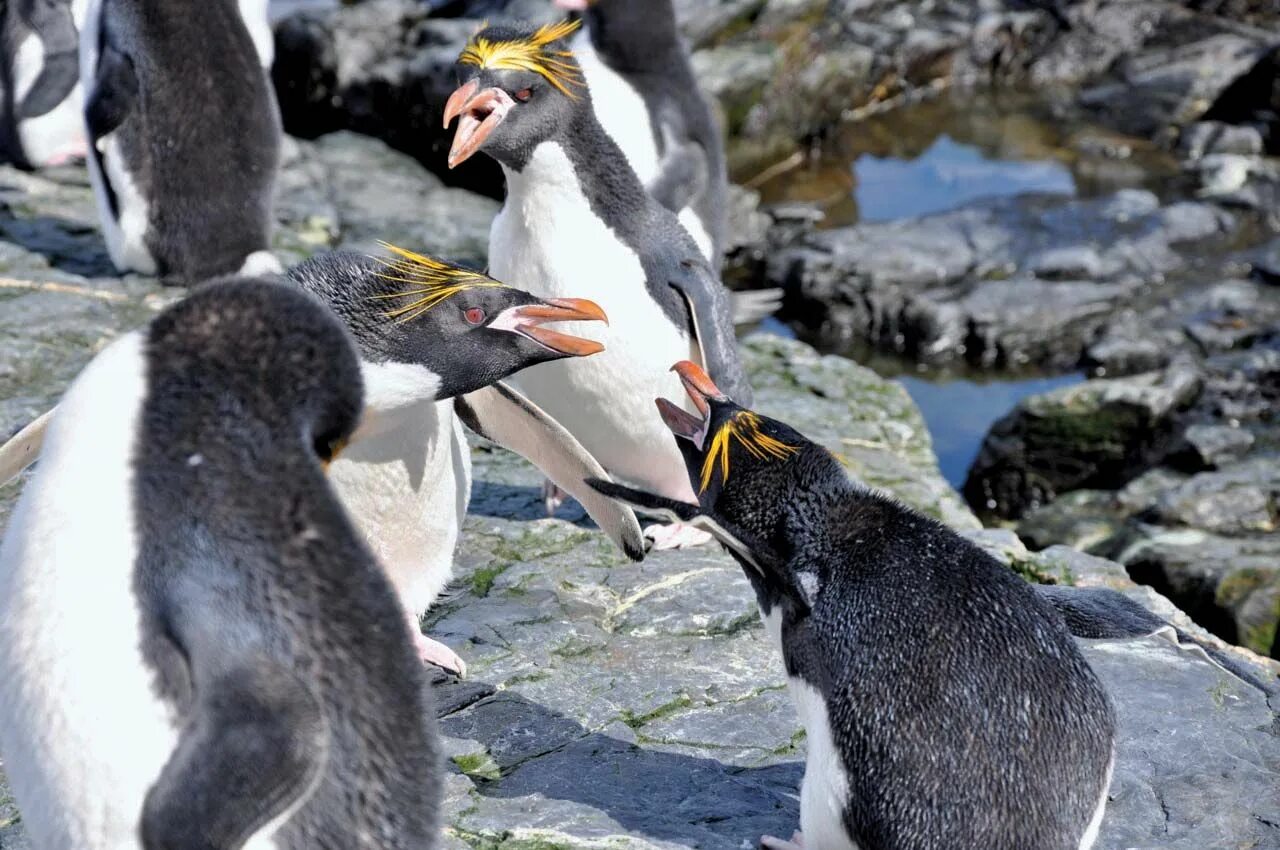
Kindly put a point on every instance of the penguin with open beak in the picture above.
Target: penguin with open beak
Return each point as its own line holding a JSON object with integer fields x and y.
{"x": 944, "y": 702}
{"x": 436, "y": 342}
{"x": 577, "y": 220}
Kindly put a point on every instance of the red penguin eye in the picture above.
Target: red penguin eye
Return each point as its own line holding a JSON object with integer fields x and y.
{"x": 474, "y": 315}
{"x": 524, "y": 94}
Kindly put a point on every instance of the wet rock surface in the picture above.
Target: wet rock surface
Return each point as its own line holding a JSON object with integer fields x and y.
{"x": 640, "y": 705}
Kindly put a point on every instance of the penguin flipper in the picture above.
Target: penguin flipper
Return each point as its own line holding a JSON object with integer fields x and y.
{"x": 708, "y": 304}
{"x": 682, "y": 176}
{"x": 250, "y": 752}
{"x": 23, "y": 449}
{"x": 1100, "y": 613}
{"x": 506, "y": 417}
{"x": 60, "y": 70}
{"x": 115, "y": 92}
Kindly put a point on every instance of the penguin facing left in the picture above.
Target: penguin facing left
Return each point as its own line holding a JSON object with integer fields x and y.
{"x": 945, "y": 703}
{"x": 184, "y": 136}
{"x": 197, "y": 649}
{"x": 647, "y": 98}
{"x": 40, "y": 114}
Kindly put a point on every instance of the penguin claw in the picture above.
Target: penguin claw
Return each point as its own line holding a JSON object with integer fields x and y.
{"x": 771, "y": 843}
{"x": 552, "y": 496}
{"x": 676, "y": 535}
{"x": 434, "y": 652}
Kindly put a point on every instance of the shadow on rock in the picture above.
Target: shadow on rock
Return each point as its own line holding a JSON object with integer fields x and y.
{"x": 517, "y": 502}
{"x": 70, "y": 246}
{"x": 695, "y": 802}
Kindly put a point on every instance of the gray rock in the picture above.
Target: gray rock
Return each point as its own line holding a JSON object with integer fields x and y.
{"x": 1004, "y": 283}
{"x": 1101, "y": 433}
{"x": 1211, "y": 446}
{"x": 1210, "y": 137}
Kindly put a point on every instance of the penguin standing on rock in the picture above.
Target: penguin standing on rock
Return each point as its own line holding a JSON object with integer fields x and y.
{"x": 945, "y": 703}
{"x": 184, "y": 136}
{"x": 577, "y": 220}
{"x": 435, "y": 341}
{"x": 40, "y": 110}
{"x": 647, "y": 98}
{"x": 197, "y": 650}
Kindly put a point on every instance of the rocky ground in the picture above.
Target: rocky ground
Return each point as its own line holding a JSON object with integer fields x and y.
{"x": 623, "y": 705}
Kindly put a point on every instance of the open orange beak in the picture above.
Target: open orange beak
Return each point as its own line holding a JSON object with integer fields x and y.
{"x": 700, "y": 388}
{"x": 529, "y": 321}
{"x": 479, "y": 113}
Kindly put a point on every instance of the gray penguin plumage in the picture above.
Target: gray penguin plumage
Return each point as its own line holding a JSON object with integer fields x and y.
{"x": 946, "y": 704}
{"x": 210, "y": 656}
{"x": 633, "y": 51}
{"x": 184, "y": 137}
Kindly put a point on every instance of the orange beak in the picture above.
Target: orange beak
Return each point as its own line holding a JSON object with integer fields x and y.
{"x": 529, "y": 322}
{"x": 478, "y": 113}
{"x": 697, "y": 384}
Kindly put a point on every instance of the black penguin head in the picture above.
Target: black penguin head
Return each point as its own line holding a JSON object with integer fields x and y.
{"x": 739, "y": 462}
{"x": 253, "y": 358}
{"x": 464, "y": 326}
{"x": 519, "y": 87}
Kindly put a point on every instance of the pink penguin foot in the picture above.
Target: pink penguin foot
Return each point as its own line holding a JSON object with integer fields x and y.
{"x": 434, "y": 652}
{"x": 552, "y": 496}
{"x": 677, "y": 535}
{"x": 771, "y": 843}
{"x": 73, "y": 152}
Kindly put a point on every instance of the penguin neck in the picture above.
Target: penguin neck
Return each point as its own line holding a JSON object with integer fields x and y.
{"x": 582, "y": 166}
{"x": 397, "y": 397}
{"x": 634, "y": 36}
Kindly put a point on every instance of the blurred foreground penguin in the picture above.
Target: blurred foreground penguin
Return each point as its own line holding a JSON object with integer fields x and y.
{"x": 197, "y": 650}
{"x": 436, "y": 341}
{"x": 184, "y": 136}
{"x": 41, "y": 121}
{"x": 945, "y": 704}
{"x": 646, "y": 96}
{"x": 577, "y": 220}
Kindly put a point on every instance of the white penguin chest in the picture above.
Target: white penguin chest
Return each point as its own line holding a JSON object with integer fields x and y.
{"x": 620, "y": 109}
{"x": 825, "y": 789}
{"x": 548, "y": 240}
{"x": 405, "y": 479}
{"x": 83, "y": 733}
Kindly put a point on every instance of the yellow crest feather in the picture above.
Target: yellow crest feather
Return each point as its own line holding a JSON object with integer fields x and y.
{"x": 430, "y": 281}
{"x": 745, "y": 428}
{"x": 529, "y": 54}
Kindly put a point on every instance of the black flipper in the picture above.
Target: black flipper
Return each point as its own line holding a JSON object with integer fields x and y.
{"x": 115, "y": 91}
{"x": 1099, "y": 613}
{"x": 60, "y": 71}
{"x": 708, "y": 303}
{"x": 254, "y": 745}
{"x": 682, "y": 176}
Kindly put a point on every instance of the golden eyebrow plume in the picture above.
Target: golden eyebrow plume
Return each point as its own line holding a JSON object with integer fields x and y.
{"x": 529, "y": 54}
{"x": 745, "y": 428}
{"x": 431, "y": 281}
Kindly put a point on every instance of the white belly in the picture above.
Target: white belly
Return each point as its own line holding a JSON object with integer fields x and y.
{"x": 546, "y": 240}
{"x": 83, "y": 734}
{"x": 257, "y": 22}
{"x": 620, "y": 110}
{"x": 407, "y": 490}
{"x": 125, "y": 235}
{"x": 826, "y": 785}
